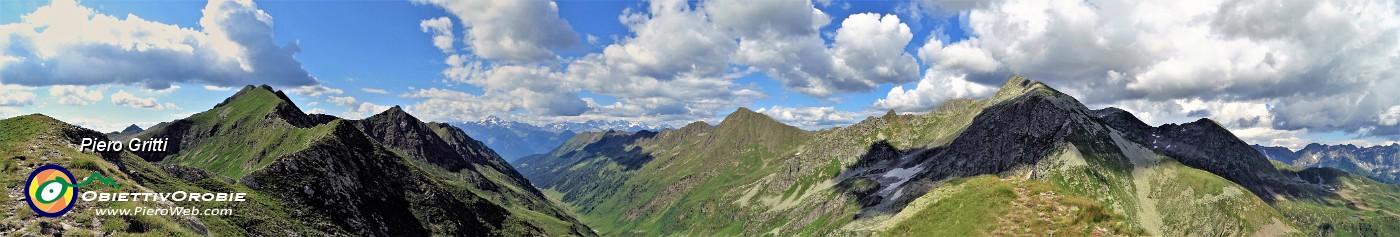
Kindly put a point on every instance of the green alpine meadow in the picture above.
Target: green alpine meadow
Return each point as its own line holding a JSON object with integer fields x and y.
{"x": 1029, "y": 161}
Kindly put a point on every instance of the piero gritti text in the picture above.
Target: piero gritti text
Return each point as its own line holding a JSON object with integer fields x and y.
{"x": 134, "y": 145}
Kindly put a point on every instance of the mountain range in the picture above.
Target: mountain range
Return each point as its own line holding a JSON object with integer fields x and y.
{"x": 1030, "y": 160}
{"x": 513, "y": 140}
{"x": 306, "y": 174}
{"x": 1378, "y": 162}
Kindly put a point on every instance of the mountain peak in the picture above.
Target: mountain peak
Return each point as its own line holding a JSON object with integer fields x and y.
{"x": 492, "y": 119}
{"x": 1120, "y": 118}
{"x": 399, "y": 130}
{"x": 744, "y": 118}
{"x": 132, "y": 128}
{"x": 744, "y": 111}
{"x": 746, "y": 114}
{"x": 1018, "y": 85}
{"x": 256, "y": 91}
{"x": 254, "y": 102}
{"x": 393, "y": 112}
{"x": 1208, "y": 122}
{"x": 36, "y": 117}
{"x": 1019, "y": 89}
{"x": 696, "y": 125}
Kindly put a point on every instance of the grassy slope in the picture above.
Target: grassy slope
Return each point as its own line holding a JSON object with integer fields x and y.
{"x": 1165, "y": 198}
{"x": 264, "y": 213}
{"x": 247, "y": 138}
{"x": 35, "y": 140}
{"x": 781, "y": 186}
{"x": 692, "y": 185}
{"x": 526, "y": 216}
{"x": 493, "y": 184}
{"x": 753, "y": 190}
{"x": 693, "y": 188}
{"x": 1160, "y": 195}
{"x": 1362, "y": 206}
{"x": 660, "y": 199}
{"x": 965, "y": 206}
{"x": 243, "y": 138}
{"x": 239, "y": 149}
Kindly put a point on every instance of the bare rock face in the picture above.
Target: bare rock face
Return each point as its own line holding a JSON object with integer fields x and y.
{"x": 399, "y": 130}
{"x": 1204, "y": 145}
{"x": 368, "y": 191}
{"x": 1007, "y": 135}
{"x": 1031, "y": 119}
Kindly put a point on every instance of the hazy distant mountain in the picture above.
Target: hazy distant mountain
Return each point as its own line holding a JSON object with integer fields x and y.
{"x": 132, "y": 129}
{"x": 1378, "y": 162}
{"x": 125, "y": 133}
{"x": 1028, "y": 161}
{"x": 514, "y": 140}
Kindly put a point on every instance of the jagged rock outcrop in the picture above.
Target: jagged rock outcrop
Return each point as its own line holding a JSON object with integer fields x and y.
{"x": 397, "y": 129}
{"x": 1202, "y": 144}
{"x": 368, "y": 191}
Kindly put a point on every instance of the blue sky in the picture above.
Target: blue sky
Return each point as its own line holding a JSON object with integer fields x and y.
{"x": 811, "y": 64}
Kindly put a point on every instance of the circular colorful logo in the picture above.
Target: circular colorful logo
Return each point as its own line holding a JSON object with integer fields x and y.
{"x": 50, "y": 190}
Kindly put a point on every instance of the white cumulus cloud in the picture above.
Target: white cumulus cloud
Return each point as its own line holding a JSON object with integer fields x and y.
{"x": 936, "y": 86}
{"x": 1322, "y": 65}
{"x": 124, "y": 98}
{"x": 13, "y": 95}
{"x": 782, "y": 39}
{"x": 506, "y": 30}
{"x": 449, "y": 105}
{"x": 441, "y": 29}
{"x": 75, "y": 95}
{"x": 1390, "y": 117}
{"x": 812, "y": 117}
{"x": 64, "y": 43}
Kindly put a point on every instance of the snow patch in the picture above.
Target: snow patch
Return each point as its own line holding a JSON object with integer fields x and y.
{"x": 902, "y": 175}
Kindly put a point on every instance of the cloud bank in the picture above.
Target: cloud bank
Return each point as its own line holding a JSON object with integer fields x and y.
{"x": 1314, "y": 66}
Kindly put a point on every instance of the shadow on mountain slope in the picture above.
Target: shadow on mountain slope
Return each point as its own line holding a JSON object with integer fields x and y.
{"x": 628, "y": 158}
{"x": 1018, "y": 136}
